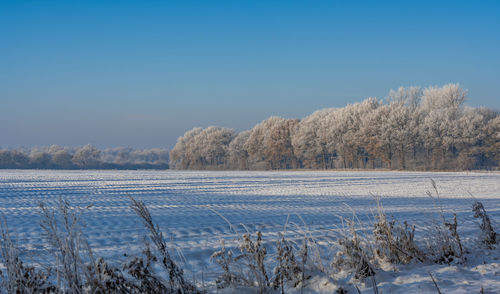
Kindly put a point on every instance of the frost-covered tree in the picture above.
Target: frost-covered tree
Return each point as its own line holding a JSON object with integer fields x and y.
{"x": 122, "y": 157}
{"x": 442, "y": 108}
{"x": 310, "y": 150}
{"x": 13, "y": 159}
{"x": 57, "y": 157}
{"x": 238, "y": 156}
{"x": 471, "y": 136}
{"x": 414, "y": 129}
{"x": 155, "y": 156}
{"x": 269, "y": 144}
{"x": 179, "y": 158}
{"x": 62, "y": 159}
{"x": 54, "y": 148}
{"x": 40, "y": 159}
{"x": 399, "y": 122}
{"x": 87, "y": 157}
{"x": 202, "y": 149}
{"x": 408, "y": 96}
{"x": 494, "y": 139}
{"x": 278, "y": 143}
{"x": 212, "y": 145}
{"x": 376, "y": 137}
{"x": 255, "y": 145}
{"x": 341, "y": 133}
{"x": 480, "y": 138}
{"x": 405, "y": 119}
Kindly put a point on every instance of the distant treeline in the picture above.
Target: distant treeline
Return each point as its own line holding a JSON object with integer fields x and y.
{"x": 86, "y": 157}
{"x": 415, "y": 129}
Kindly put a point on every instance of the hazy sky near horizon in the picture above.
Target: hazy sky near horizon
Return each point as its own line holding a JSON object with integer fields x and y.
{"x": 141, "y": 73}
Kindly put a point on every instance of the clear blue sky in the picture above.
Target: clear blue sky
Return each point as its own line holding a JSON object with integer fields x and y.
{"x": 141, "y": 73}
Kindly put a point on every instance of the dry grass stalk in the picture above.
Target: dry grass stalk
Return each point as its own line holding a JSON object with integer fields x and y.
{"x": 63, "y": 232}
{"x": 175, "y": 273}
{"x": 17, "y": 277}
{"x": 446, "y": 245}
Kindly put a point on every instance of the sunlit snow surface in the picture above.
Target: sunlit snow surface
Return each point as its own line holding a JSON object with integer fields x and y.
{"x": 194, "y": 208}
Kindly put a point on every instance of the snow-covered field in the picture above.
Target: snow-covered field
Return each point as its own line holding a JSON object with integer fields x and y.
{"x": 193, "y": 210}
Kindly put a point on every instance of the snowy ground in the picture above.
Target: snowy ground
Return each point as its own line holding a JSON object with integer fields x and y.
{"x": 187, "y": 207}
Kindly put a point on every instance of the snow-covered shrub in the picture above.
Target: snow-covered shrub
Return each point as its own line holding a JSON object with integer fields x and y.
{"x": 141, "y": 269}
{"x": 16, "y": 277}
{"x": 287, "y": 268}
{"x": 231, "y": 276}
{"x": 488, "y": 234}
{"x": 394, "y": 242}
{"x": 352, "y": 256}
{"x": 248, "y": 269}
{"x": 253, "y": 255}
{"x": 104, "y": 278}
{"x": 445, "y": 245}
{"x": 77, "y": 271}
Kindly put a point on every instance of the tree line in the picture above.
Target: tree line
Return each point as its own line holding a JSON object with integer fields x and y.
{"x": 86, "y": 157}
{"x": 413, "y": 129}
